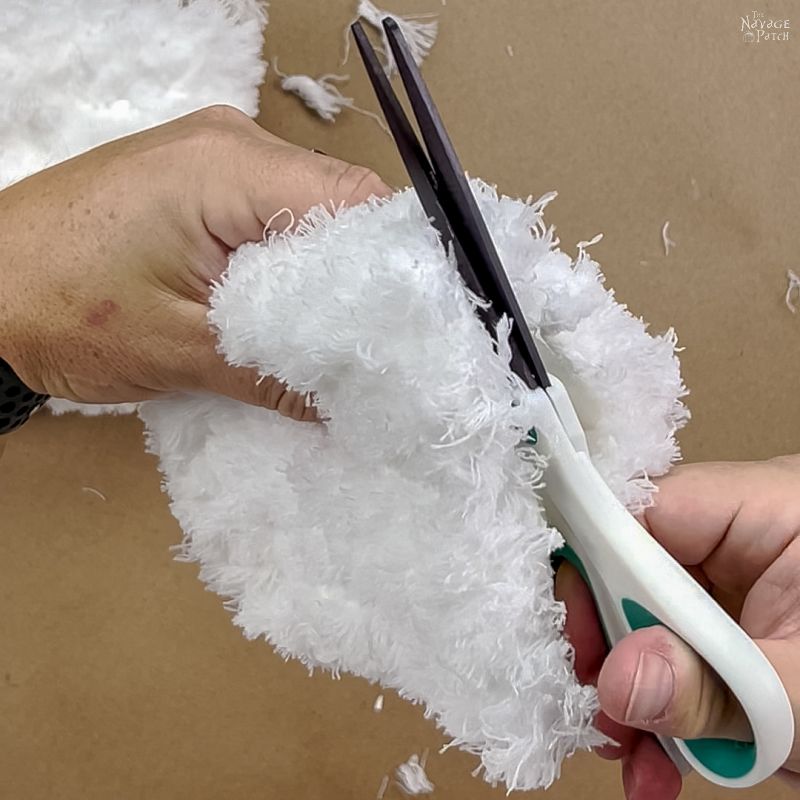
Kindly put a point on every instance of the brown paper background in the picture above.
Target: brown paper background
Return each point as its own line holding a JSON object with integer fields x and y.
{"x": 121, "y": 678}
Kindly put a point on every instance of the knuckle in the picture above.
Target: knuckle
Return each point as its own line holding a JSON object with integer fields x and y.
{"x": 292, "y": 405}
{"x": 354, "y": 184}
{"x": 216, "y": 126}
{"x": 220, "y": 114}
{"x": 269, "y": 392}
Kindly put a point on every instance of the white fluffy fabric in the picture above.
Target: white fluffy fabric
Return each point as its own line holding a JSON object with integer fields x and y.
{"x": 404, "y": 539}
{"x": 77, "y": 73}
{"x": 58, "y": 406}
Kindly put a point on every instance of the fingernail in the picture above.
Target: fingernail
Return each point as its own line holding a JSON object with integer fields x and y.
{"x": 653, "y": 687}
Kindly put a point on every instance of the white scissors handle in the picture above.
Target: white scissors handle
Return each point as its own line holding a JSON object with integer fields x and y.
{"x": 636, "y": 583}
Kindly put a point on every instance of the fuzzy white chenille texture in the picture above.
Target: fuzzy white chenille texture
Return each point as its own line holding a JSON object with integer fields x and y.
{"x": 78, "y": 73}
{"x": 404, "y": 539}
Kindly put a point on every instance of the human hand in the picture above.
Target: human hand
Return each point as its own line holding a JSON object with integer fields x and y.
{"x": 108, "y": 258}
{"x": 736, "y": 528}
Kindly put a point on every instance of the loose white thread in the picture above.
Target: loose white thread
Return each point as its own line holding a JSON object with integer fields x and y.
{"x": 598, "y": 237}
{"x": 382, "y": 788}
{"x": 510, "y": 50}
{"x": 794, "y": 286}
{"x": 583, "y": 245}
{"x": 268, "y": 226}
{"x": 377, "y": 706}
{"x": 668, "y": 243}
{"x": 411, "y": 777}
{"x": 420, "y": 36}
{"x": 96, "y": 492}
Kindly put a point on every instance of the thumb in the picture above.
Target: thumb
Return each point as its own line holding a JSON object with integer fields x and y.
{"x": 654, "y": 681}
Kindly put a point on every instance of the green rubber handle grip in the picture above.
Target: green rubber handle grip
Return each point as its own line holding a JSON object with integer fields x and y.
{"x": 726, "y": 757}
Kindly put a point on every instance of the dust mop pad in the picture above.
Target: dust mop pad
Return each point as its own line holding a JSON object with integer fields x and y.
{"x": 404, "y": 539}
{"x": 78, "y": 73}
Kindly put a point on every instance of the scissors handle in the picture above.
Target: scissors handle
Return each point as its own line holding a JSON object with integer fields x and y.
{"x": 636, "y": 584}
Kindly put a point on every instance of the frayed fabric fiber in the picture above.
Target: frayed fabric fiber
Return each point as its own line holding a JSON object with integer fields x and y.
{"x": 58, "y": 407}
{"x": 78, "y": 73}
{"x": 404, "y": 539}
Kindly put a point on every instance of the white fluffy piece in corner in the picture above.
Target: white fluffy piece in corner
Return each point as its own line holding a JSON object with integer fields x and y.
{"x": 93, "y": 72}
{"x": 791, "y": 289}
{"x": 419, "y": 35}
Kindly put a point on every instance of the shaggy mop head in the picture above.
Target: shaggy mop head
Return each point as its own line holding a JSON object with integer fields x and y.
{"x": 78, "y": 73}
{"x": 404, "y": 539}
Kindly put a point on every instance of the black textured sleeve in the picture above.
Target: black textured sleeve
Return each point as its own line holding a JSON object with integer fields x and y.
{"x": 17, "y": 401}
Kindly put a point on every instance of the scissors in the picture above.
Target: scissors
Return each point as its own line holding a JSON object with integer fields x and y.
{"x": 634, "y": 581}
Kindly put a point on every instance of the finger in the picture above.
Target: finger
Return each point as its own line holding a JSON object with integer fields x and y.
{"x": 583, "y": 631}
{"x": 301, "y": 179}
{"x": 694, "y": 506}
{"x": 199, "y": 366}
{"x": 623, "y": 738}
{"x": 791, "y": 779}
{"x": 708, "y": 513}
{"x": 784, "y": 655}
{"x": 653, "y": 681}
{"x": 257, "y": 176}
{"x": 342, "y": 182}
{"x": 247, "y": 386}
{"x": 582, "y": 627}
{"x": 649, "y": 774}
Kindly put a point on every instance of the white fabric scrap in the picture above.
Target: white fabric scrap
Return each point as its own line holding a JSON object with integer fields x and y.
{"x": 412, "y": 778}
{"x": 57, "y": 407}
{"x": 419, "y": 35}
{"x": 322, "y": 95}
{"x": 319, "y": 94}
{"x": 404, "y": 540}
{"x": 791, "y": 289}
{"x": 78, "y": 73}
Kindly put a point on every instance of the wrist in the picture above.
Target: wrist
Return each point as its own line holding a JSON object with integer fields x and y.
{"x": 18, "y": 398}
{"x": 17, "y": 401}
{"x": 17, "y": 346}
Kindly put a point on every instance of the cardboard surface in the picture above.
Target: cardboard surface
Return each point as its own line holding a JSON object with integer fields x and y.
{"x": 121, "y": 678}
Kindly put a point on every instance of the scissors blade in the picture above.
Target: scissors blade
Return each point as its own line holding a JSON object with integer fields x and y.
{"x": 411, "y": 152}
{"x": 416, "y": 163}
{"x": 458, "y": 203}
